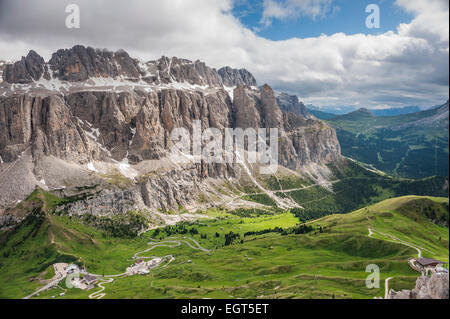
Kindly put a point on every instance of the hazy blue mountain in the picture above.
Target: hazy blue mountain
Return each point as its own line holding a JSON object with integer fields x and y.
{"x": 337, "y": 110}
{"x": 396, "y": 111}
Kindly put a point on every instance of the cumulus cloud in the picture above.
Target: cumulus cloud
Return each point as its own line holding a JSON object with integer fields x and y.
{"x": 431, "y": 21}
{"x": 400, "y": 67}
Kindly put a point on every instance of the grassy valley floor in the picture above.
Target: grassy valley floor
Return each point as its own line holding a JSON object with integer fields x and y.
{"x": 260, "y": 256}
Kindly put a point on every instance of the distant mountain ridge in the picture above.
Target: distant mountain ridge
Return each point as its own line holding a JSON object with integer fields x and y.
{"x": 435, "y": 117}
{"x": 329, "y": 113}
{"x": 396, "y": 111}
{"x": 407, "y": 145}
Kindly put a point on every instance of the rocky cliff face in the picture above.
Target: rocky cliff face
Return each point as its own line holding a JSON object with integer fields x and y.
{"x": 28, "y": 69}
{"x": 167, "y": 70}
{"x": 290, "y": 103}
{"x": 434, "y": 287}
{"x": 106, "y": 113}
{"x": 80, "y": 64}
{"x": 302, "y": 140}
{"x": 234, "y": 77}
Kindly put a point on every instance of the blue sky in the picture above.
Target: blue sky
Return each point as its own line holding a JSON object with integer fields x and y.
{"x": 347, "y": 16}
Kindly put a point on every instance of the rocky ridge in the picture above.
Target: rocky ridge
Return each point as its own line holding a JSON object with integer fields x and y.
{"x": 291, "y": 103}
{"x": 104, "y": 118}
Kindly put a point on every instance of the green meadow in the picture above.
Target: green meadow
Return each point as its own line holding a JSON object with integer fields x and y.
{"x": 260, "y": 256}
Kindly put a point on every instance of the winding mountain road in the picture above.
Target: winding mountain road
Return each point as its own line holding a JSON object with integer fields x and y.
{"x": 99, "y": 294}
{"x": 47, "y": 286}
{"x": 171, "y": 243}
{"x": 419, "y": 249}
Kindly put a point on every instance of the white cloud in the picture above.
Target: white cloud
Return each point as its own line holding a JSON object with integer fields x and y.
{"x": 404, "y": 66}
{"x": 431, "y": 19}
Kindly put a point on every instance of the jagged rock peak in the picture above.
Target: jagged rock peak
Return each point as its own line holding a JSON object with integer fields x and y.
{"x": 291, "y": 103}
{"x": 166, "y": 70}
{"x": 2, "y": 68}
{"x": 80, "y": 63}
{"x": 271, "y": 110}
{"x": 28, "y": 69}
{"x": 76, "y": 64}
{"x": 235, "y": 77}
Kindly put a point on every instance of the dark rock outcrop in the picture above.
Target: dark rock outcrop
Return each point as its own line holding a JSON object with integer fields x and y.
{"x": 80, "y": 63}
{"x": 166, "y": 70}
{"x": 235, "y": 77}
{"x": 28, "y": 69}
{"x": 271, "y": 111}
{"x": 290, "y": 103}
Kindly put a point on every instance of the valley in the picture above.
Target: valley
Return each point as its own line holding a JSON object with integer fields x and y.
{"x": 413, "y": 145}
{"x": 223, "y": 255}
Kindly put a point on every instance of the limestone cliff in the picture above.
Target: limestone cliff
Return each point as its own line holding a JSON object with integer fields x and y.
{"x": 101, "y": 113}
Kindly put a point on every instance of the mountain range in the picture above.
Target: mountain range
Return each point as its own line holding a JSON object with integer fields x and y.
{"x": 87, "y": 177}
{"x": 94, "y": 118}
{"x": 96, "y": 124}
{"x": 327, "y": 113}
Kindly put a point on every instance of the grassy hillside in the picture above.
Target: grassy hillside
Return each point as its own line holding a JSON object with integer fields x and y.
{"x": 270, "y": 256}
{"x": 352, "y": 187}
{"x": 411, "y": 145}
{"x": 321, "y": 115}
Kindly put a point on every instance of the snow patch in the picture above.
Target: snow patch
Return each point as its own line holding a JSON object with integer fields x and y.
{"x": 91, "y": 167}
{"x": 52, "y": 84}
{"x": 126, "y": 169}
{"x": 185, "y": 86}
{"x": 94, "y": 134}
{"x": 230, "y": 91}
{"x": 133, "y": 132}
